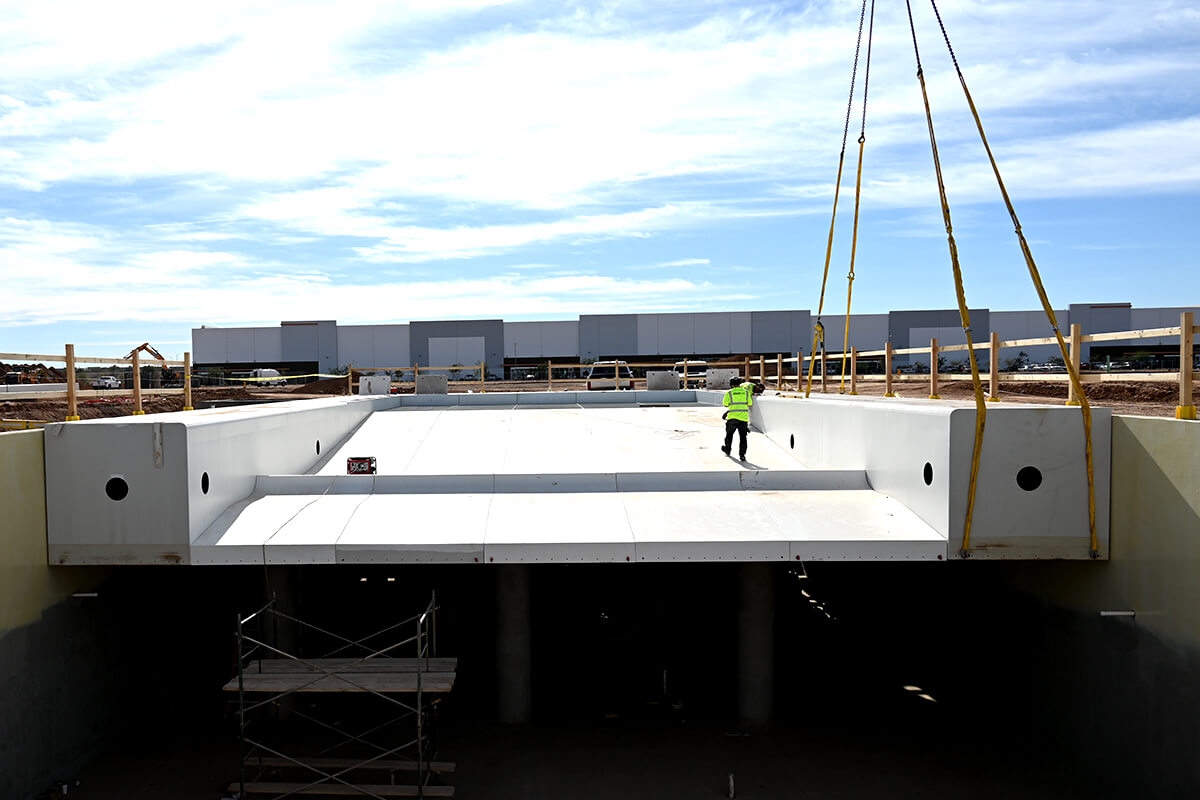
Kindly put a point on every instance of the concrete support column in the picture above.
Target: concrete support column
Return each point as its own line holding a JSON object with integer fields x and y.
{"x": 756, "y": 644}
{"x": 514, "y": 659}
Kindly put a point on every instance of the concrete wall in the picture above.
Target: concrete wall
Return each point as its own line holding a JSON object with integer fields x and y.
{"x": 53, "y": 692}
{"x": 541, "y": 339}
{"x": 1123, "y": 696}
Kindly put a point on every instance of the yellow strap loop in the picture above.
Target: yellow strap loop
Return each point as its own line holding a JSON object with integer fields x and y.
{"x": 1041, "y": 291}
{"x": 853, "y": 251}
{"x": 980, "y": 401}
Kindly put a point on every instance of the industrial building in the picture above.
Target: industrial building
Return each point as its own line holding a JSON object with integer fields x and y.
{"x": 324, "y": 345}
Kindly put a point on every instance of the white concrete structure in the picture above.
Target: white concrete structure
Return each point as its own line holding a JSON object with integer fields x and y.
{"x": 566, "y": 477}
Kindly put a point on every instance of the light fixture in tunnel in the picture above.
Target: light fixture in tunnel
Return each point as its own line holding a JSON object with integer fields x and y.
{"x": 806, "y": 594}
{"x": 913, "y": 689}
{"x": 391, "y": 580}
{"x": 924, "y": 696}
{"x": 362, "y": 580}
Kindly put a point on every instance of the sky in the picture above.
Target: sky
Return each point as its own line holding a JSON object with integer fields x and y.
{"x": 169, "y": 165}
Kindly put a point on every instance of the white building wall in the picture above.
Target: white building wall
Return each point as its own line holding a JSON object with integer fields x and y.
{"x": 647, "y": 335}
{"x": 739, "y": 332}
{"x": 209, "y": 345}
{"x": 713, "y": 333}
{"x": 391, "y": 346}
{"x": 676, "y": 333}
{"x": 1028, "y": 325}
{"x": 533, "y": 340}
{"x": 1142, "y": 319}
{"x": 356, "y": 346}
{"x": 268, "y": 345}
{"x": 867, "y": 331}
{"x": 239, "y": 345}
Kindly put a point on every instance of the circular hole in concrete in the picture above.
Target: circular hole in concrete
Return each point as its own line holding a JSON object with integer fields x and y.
{"x": 1029, "y": 478}
{"x": 318, "y": 447}
{"x": 116, "y": 489}
{"x": 204, "y": 483}
{"x": 792, "y": 441}
{"x": 927, "y": 474}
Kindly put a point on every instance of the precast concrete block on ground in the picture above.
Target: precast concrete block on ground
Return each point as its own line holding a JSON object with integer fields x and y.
{"x": 719, "y": 378}
{"x": 375, "y": 384}
{"x": 662, "y": 379}
{"x": 432, "y": 384}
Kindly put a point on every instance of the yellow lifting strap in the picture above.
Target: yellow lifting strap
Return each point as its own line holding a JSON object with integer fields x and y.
{"x": 980, "y": 402}
{"x": 862, "y": 139}
{"x": 818, "y": 328}
{"x": 1086, "y": 409}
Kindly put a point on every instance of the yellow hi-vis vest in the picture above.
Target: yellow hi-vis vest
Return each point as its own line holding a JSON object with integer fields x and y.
{"x": 738, "y": 400}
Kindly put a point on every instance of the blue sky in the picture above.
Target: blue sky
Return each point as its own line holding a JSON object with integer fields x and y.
{"x": 167, "y": 165}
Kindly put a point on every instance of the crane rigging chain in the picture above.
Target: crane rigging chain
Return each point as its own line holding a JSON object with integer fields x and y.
{"x": 1072, "y": 370}
{"x": 818, "y": 329}
{"x": 862, "y": 139}
{"x": 964, "y": 314}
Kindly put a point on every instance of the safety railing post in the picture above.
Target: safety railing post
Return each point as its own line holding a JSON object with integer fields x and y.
{"x": 853, "y": 370}
{"x": 887, "y": 370}
{"x": 549, "y": 376}
{"x": 72, "y": 396}
{"x": 799, "y": 367}
{"x": 1187, "y": 333}
{"x": 824, "y": 372}
{"x": 187, "y": 382}
{"x": 137, "y": 383}
{"x": 762, "y": 369}
{"x": 482, "y": 376}
{"x": 933, "y": 370}
{"x": 685, "y": 372}
{"x": 746, "y": 369}
{"x": 994, "y": 368}
{"x": 1076, "y": 348}
{"x": 779, "y": 370}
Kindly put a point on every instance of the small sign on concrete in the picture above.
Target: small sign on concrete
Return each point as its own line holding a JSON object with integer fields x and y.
{"x": 360, "y": 466}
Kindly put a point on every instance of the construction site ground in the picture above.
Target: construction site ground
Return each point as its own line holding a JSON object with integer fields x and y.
{"x": 1152, "y": 398}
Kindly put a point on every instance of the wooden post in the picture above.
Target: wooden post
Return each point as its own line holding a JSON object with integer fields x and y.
{"x": 762, "y": 370}
{"x": 994, "y": 368}
{"x": 72, "y": 397}
{"x": 187, "y": 382}
{"x": 887, "y": 369}
{"x": 482, "y": 376}
{"x": 137, "y": 384}
{"x": 349, "y": 379}
{"x": 1187, "y": 403}
{"x": 933, "y": 370}
{"x": 746, "y": 369}
{"x": 779, "y": 371}
{"x": 824, "y": 372}
{"x": 799, "y": 369}
{"x": 685, "y": 372}
{"x": 853, "y": 369}
{"x": 549, "y": 376}
{"x": 1076, "y": 348}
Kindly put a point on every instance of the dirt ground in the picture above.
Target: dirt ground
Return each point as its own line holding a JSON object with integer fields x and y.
{"x": 1151, "y": 399}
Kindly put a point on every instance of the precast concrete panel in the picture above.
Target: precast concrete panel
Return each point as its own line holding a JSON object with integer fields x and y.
{"x": 391, "y": 346}
{"x": 448, "y": 351}
{"x": 560, "y": 339}
{"x": 299, "y": 341}
{"x": 240, "y": 345}
{"x": 907, "y": 328}
{"x": 647, "y": 335}
{"x": 356, "y": 345}
{"x": 676, "y": 334}
{"x": 522, "y": 339}
{"x": 141, "y": 490}
{"x": 602, "y": 335}
{"x": 713, "y": 333}
{"x": 741, "y": 330}
{"x": 920, "y": 453}
{"x": 268, "y": 345}
{"x": 1144, "y": 318}
{"x": 867, "y": 331}
{"x": 209, "y": 346}
{"x": 771, "y": 332}
{"x": 1014, "y": 325}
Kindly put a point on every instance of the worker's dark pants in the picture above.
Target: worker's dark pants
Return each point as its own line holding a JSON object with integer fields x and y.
{"x": 742, "y": 427}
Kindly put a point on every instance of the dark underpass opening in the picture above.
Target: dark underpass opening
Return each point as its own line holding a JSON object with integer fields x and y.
{"x": 883, "y": 679}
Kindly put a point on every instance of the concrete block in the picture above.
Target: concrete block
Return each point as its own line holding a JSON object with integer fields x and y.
{"x": 375, "y": 384}
{"x": 432, "y": 384}
{"x": 662, "y": 379}
{"x": 719, "y": 378}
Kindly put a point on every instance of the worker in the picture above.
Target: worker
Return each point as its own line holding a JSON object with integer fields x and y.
{"x": 737, "y": 400}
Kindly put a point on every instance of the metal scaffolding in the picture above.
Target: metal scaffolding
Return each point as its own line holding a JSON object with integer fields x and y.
{"x": 300, "y": 729}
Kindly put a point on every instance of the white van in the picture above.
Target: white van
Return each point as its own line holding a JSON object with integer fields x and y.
{"x": 608, "y": 369}
{"x": 265, "y": 377}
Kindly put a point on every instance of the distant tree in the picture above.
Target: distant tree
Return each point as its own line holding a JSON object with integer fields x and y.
{"x": 1014, "y": 364}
